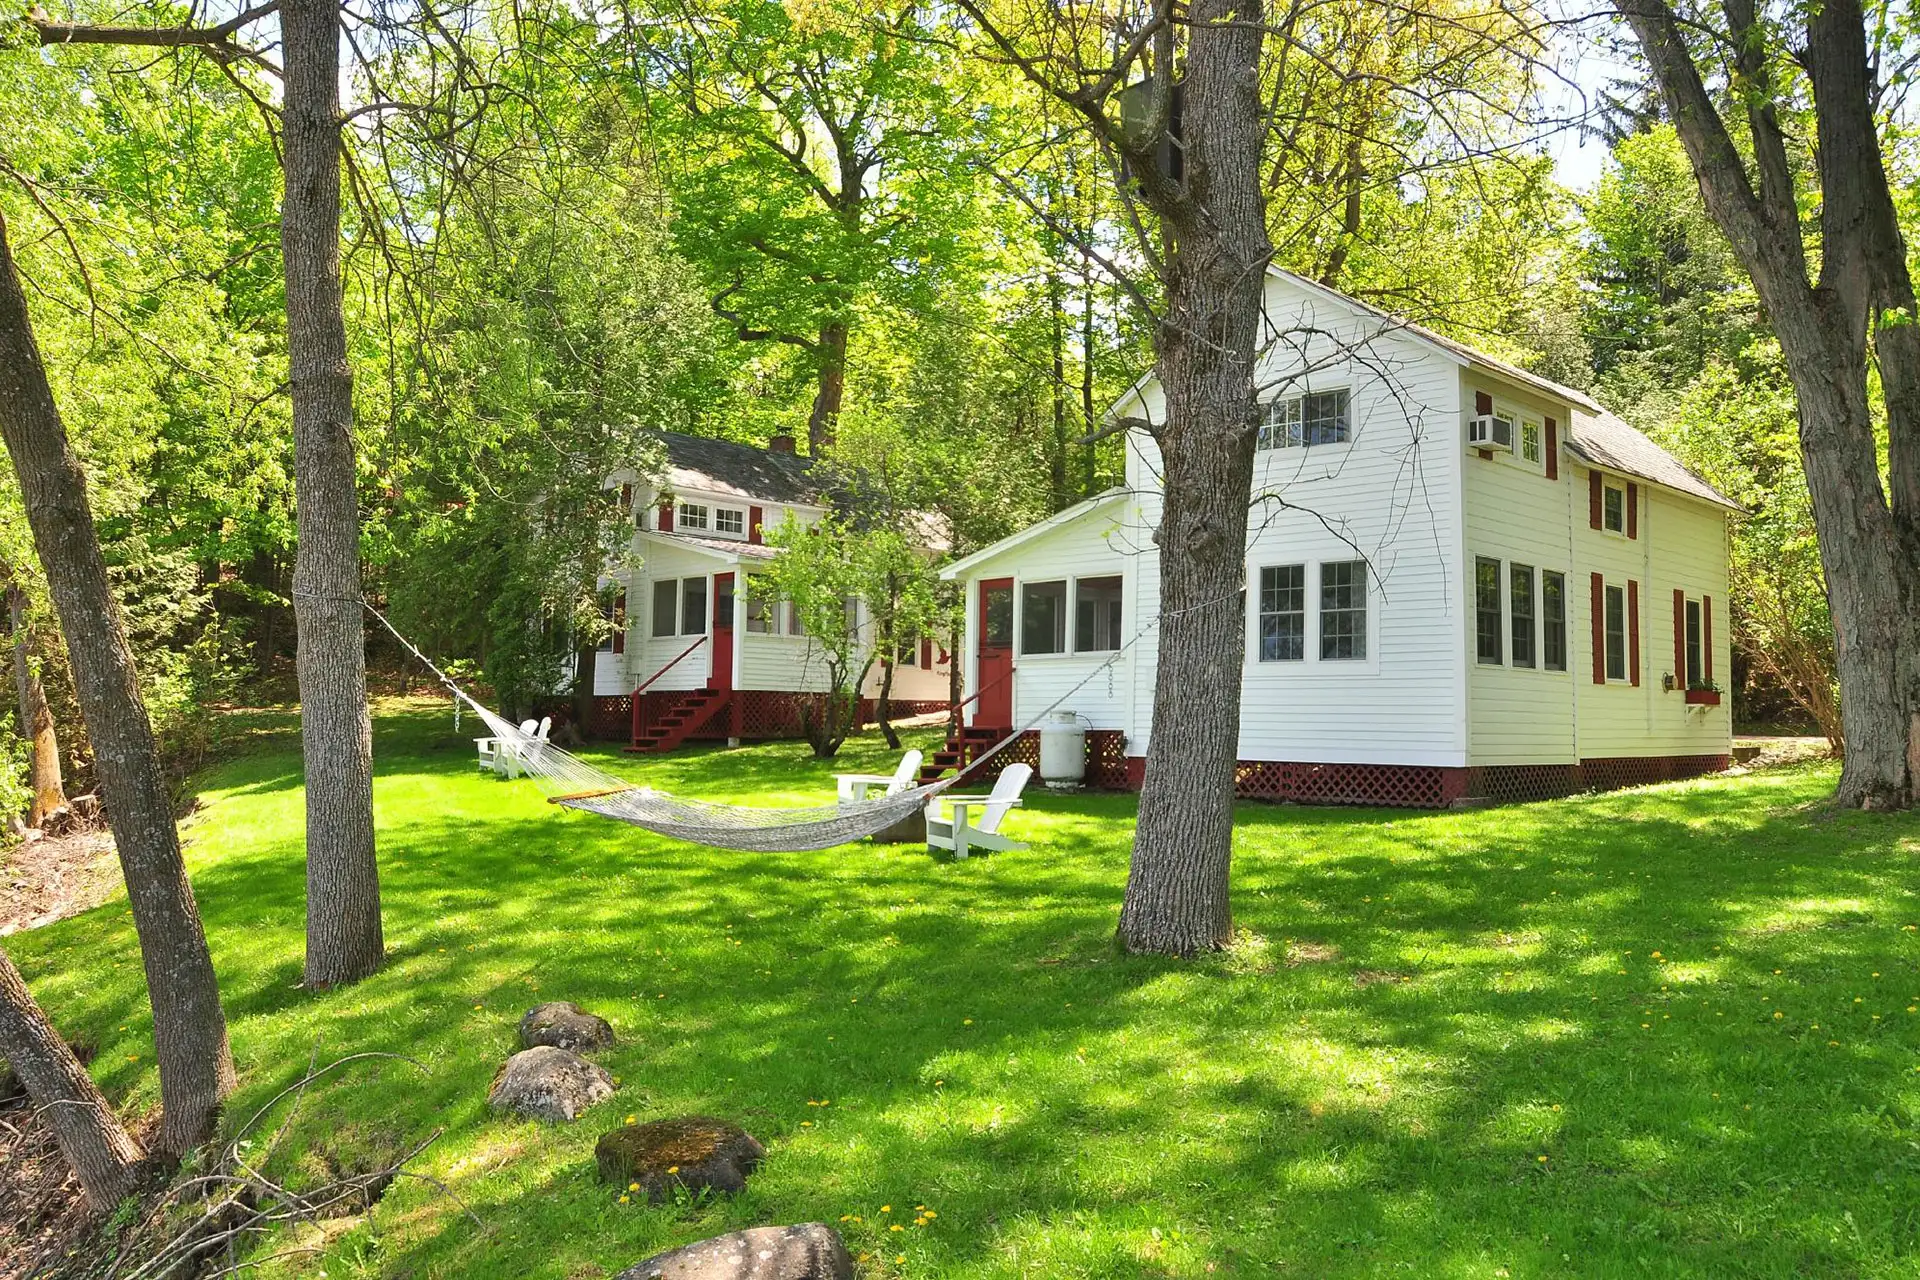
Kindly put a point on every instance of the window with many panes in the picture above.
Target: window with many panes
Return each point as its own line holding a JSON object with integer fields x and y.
{"x": 1616, "y": 632}
{"x": 1343, "y": 609}
{"x": 666, "y": 600}
{"x": 693, "y": 606}
{"x": 1486, "y": 609}
{"x": 763, "y": 613}
{"x": 1096, "y": 614}
{"x": 1553, "y": 620}
{"x": 1530, "y": 442}
{"x": 1323, "y": 417}
{"x": 1696, "y": 669}
{"x": 729, "y": 520}
{"x": 1520, "y": 612}
{"x": 692, "y": 516}
{"x": 1613, "y": 509}
{"x": 1283, "y": 613}
{"x": 1043, "y": 617}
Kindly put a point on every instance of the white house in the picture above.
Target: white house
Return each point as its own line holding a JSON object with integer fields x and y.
{"x": 1461, "y": 580}
{"x": 693, "y": 654}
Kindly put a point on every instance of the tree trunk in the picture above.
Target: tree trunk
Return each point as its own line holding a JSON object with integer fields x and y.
{"x": 1869, "y": 541}
{"x": 343, "y": 879}
{"x": 102, "y": 1154}
{"x": 1057, "y": 450}
{"x": 585, "y": 659}
{"x": 189, "y": 1027}
{"x": 883, "y": 706}
{"x": 832, "y": 354}
{"x": 1206, "y": 346}
{"x": 36, "y": 718}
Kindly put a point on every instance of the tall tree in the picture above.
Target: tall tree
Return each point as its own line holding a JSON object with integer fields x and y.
{"x": 1856, "y": 308}
{"x": 189, "y": 1025}
{"x": 102, "y": 1154}
{"x": 344, "y": 939}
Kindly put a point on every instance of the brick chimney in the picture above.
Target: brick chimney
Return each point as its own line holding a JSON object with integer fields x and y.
{"x": 781, "y": 443}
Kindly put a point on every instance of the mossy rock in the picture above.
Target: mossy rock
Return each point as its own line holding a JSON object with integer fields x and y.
{"x": 564, "y": 1025}
{"x": 545, "y": 1083}
{"x": 697, "y": 1153}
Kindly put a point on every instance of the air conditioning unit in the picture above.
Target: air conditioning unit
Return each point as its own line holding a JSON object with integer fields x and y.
{"x": 1490, "y": 432}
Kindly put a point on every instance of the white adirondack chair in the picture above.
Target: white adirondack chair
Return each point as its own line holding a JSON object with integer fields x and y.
{"x": 855, "y": 786}
{"x": 975, "y": 820}
{"x": 508, "y": 758}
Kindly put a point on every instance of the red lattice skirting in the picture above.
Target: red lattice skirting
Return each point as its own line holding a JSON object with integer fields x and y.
{"x": 1106, "y": 760}
{"x": 762, "y": 713}
{"x": 1436, "y": 787}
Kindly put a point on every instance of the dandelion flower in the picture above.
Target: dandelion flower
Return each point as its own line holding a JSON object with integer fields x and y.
{"x": 633, "y": 1186}
{"x": 896, "y": 1227}
{"x": 886, "y": 1208}
{"x": 673, "y": 1168}
{"x": 625, "y": 1200}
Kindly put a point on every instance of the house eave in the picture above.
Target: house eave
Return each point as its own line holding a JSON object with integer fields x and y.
{"x": 1060, "y": 519}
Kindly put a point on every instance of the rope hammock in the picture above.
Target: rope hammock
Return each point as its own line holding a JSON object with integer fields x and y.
{"x": 570, "y": 781}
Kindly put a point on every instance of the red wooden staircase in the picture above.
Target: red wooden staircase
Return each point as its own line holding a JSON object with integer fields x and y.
{"x": 962, "y": 750}
{"x": 679, "y": 724}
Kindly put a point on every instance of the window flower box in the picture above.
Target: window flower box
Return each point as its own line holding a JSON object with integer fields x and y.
{"x": 1703, "y": 697}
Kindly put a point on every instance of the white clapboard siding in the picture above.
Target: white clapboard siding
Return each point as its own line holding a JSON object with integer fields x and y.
{"x": 1391, "y": 492}
{"x": 647, "y": 653}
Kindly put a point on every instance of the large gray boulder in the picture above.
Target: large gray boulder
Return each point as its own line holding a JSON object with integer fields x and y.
{"x": 810, "y": 1251}
{"x": 697, "y": 1153}
{"x": 564, "y": 1025}
{"x": 545, "y": 1083}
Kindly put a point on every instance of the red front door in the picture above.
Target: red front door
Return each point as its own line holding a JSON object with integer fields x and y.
{"x": 722, "y": 645}
{"x": 993, "y": 675}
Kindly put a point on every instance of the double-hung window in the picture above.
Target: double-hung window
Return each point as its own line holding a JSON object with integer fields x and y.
{"x": 1283, "y": 613}
{"x": 1343, "y": 609}
{"x": 1096, "y": 614}
{"x": 1553, "y": 620}
{"x": 729, "y": 520}
{"x": 1321, "y": 417}
{"x": 1486, "y": 610}
{"x": 763, "y": 614}
{"x": 1520, "y": 611}
{"x": 1613, "y": 509}
{"x": 1530, "y": 442}
{"x": 693, "y": 516}
{"x": 666, "y": 600}
{"x": 1615, "y": 632}
{"x": 693, "y": 606}
{"x": 1696, "y": 667}
{"x": 1043, "y": 617}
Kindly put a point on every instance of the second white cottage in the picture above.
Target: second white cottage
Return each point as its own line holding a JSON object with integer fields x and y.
{"x": 1462, "y": 580}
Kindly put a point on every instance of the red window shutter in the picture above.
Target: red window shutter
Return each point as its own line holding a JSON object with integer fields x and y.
{"x": 756, "y": 516}
{"x": 1553, "y": 450}
{"x": 1680, "y": 637}
{"x": 926, "y": 653}
{"x": 626, "y": 497}
{"x": 1633, "y": 510}
{"x": 1599, "y": 629}
{"x": 1706, "y": 637}
{"x": 1633, "y": 631}
{"x": 666, "y": 517}
{"x": 1596, "y": 497}
{"x": 1482, "y": 402}
{"x": 620, "y": 623}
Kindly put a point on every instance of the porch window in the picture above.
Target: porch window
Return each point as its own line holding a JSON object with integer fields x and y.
{"x": 693, "y": 606}
{"x": 1323, "y": 417}
{"x": 796, "y": 625}
{"x": 1043, "y": 617}
{"x": 1486, "y": 610}
{"x": 763, "y": 615}
{"x": 1553, "y": 620}
{"x": 1343, "y": 609}
{"x": 1696, "y": 670}
{"x": 729, "y": 520}
{"x": 1616, "y": 633}
{"x": 1283, "y": 613}
{"x": 666, "y": 600}
{"x": 693, "y": 516}
{"x": 1520, "y": 612}
{"x": 1096, "y": 615}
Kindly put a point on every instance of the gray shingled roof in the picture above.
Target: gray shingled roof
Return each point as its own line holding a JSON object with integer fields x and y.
{"x": 697, "y": 462}
{"x": 1612, "y": 444}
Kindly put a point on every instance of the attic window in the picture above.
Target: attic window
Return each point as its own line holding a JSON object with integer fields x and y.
{"x": 729, "y": 520}
{"x": 693, "y": 516}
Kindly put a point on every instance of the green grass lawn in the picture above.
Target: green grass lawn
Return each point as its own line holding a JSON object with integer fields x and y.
{"x": 1665, "y": 1032}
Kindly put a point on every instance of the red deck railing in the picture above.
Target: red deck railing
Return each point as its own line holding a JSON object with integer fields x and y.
{"x": 638, "y": 725}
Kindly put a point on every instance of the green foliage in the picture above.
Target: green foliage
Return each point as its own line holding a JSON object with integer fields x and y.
{"x": 1446, "y": 998}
